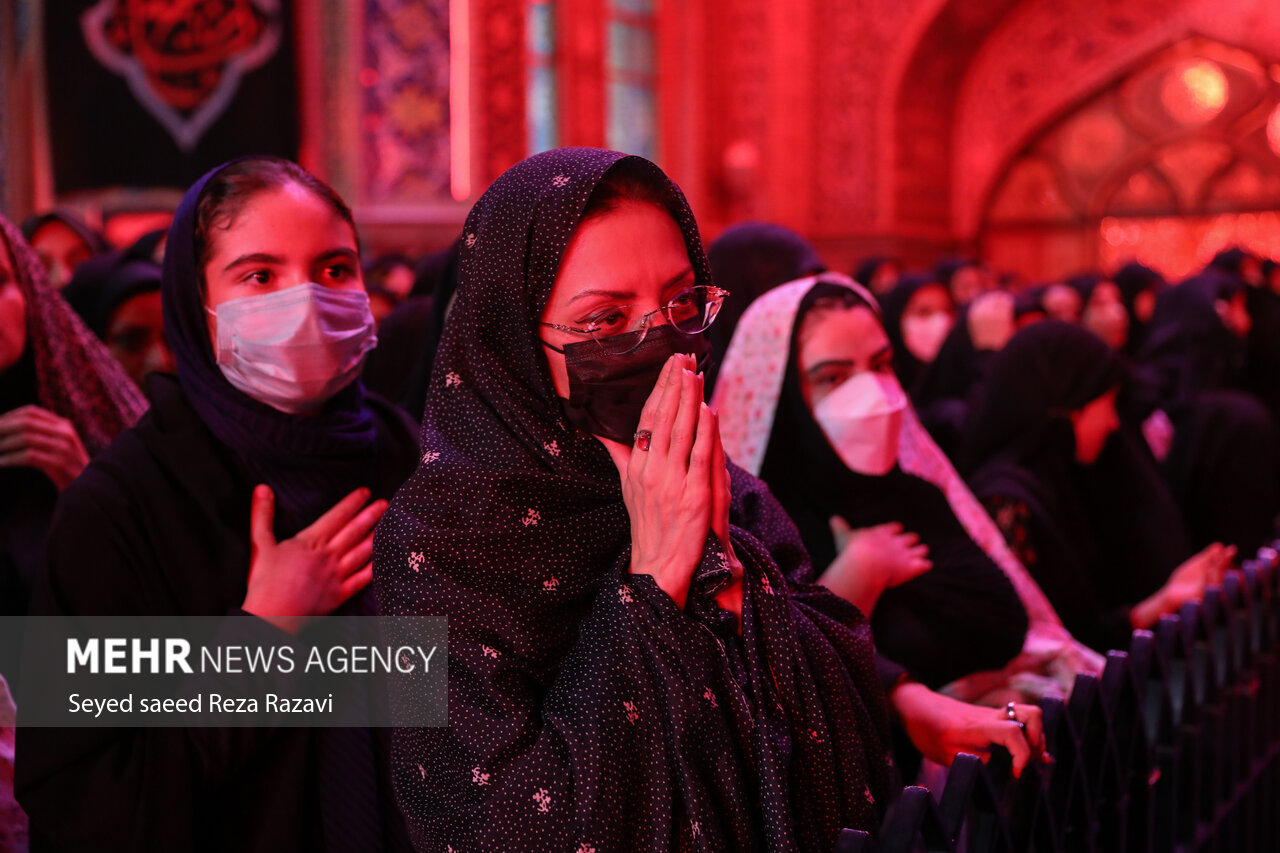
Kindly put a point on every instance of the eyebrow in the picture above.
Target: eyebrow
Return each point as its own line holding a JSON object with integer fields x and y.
{"x": 629, "y": 294}
{"x": 265, "y": 258}
{"x": 883, "y": 352}
{"x": 254, "y": 258}
{"x": 822, "y": 365}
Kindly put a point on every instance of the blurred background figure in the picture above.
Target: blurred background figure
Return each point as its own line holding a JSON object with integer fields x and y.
{"x": 878, "y": 273}
{"x": 62, "y": 399}
{"x": 117, "y": 294}
{"x": 63, "y": 242}
{"x": 748, "y": 260}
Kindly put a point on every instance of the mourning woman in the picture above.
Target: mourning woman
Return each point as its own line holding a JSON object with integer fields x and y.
{"x": 62, "y": 398}
{"x": 251, "y": 487}
{"x": 629, "y": 667}
{"x": 1045, "y": 453}
{"x": 1218, "y": 442}
{"x": 810, "y": 400}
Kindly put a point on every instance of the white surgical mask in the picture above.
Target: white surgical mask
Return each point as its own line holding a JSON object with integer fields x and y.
{"x": 862, "y": 419}
{"x": 924, "y": 336}
{"x": 294, "y": 349}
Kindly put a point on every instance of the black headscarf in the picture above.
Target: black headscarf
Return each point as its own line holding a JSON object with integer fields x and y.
{"x": 893, "y": 306}
{"x": 1111, "y": 530}
{"x": 1230, "y": 262}
{"x": 749, "y": 259}
{"x": 1189, "y": 348}
{"x": 962, "y": 617}
{"x": 1134, "y": 279}
{"x": 91, "y": 237}
{"x": 302, "y": 458}
{"x": 946, "y": 268}
{"x": 865, "y": 272}
{"x": 585, "y": 708}
{"x": 105, "y": 282}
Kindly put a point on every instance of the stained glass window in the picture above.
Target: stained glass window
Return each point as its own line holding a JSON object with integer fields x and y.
{"x": 631, "y": 69}
{"x": 541, "y": 112}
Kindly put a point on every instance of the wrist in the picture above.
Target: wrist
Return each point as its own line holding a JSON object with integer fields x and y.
{"x": 673, "y": 583}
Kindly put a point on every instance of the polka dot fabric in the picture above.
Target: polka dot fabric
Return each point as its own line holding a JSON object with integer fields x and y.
{"x": 587, "y": 712}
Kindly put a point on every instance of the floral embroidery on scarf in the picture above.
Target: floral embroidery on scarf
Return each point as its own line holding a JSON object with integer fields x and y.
{"x": 531, "y": 518}
{"x": 452, "y": 380}
{"x": 624, "y": 595}
{"x": 478, "y": 777}
{"x": 543, "y": 799}
{"x": 430, "y": 456}
{"x": 633, "y": 713}
{"x": 416, "y": 560}
{"x": 551, "y": 584}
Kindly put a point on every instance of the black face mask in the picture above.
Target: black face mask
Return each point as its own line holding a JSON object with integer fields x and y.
{"x": 607, "y": 392}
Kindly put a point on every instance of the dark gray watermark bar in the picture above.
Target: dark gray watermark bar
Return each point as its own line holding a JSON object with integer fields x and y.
{"x": 234, "y": 670}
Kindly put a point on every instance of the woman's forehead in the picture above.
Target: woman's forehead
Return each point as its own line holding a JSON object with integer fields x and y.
{"x": 838, "y": 331}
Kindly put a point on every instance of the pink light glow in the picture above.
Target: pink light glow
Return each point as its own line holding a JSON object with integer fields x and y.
{"x": 460, "y": 99}
{"x": 1273, "y": 130}
{"x": 1195, "y": 91}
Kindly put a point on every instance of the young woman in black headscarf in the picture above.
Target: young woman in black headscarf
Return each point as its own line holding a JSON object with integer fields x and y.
{"x": 629, "y": 667}
{"x": 810, "y": 400}
{"x": 245, "y": 489}
{"x": 1047, "y": 413}
{"x": 918, "y": 315}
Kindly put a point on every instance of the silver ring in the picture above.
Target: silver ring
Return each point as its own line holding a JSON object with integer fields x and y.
{"x": 1011, "y": 714}
{"x": 642, "y": 439}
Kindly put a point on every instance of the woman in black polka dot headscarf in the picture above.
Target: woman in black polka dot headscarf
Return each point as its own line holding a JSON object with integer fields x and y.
{"x": 601, "y": 697}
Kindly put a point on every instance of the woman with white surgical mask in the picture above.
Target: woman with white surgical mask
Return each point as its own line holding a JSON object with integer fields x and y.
{"x": 252, "y": 486}
{"x": 809, "y": 400}
{"x": 918, "y": 315}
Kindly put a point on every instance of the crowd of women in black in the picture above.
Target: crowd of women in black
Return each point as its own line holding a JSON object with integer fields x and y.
{"x": 731, "y": 545}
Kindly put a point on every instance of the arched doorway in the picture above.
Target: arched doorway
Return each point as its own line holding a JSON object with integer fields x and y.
{"x": 1172, "y": 161}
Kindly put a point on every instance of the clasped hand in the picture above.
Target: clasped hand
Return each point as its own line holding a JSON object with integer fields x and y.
{"x": 678, "y": 490}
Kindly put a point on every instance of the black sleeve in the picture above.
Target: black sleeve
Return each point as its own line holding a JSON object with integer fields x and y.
{"x": 1066, "y": 586}
{"x": 98, "y": 788}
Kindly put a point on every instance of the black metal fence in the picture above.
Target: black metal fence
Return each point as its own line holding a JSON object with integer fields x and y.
{"x": 1176, "y": 747}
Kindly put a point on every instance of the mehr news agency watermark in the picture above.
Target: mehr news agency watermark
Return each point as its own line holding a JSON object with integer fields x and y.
{"x": 237, "y": 670}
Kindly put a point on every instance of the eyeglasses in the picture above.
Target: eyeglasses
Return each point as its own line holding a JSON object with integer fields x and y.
{"x": 618, "y": 331}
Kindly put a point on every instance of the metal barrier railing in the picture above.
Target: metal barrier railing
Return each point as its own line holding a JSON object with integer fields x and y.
{"x": 1175, "y": 747}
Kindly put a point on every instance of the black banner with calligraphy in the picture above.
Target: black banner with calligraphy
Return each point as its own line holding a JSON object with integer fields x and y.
{"x": 147, "y": 93}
